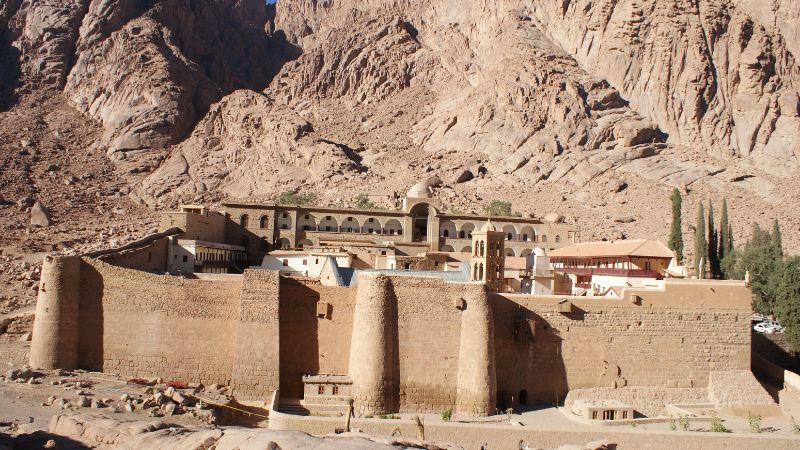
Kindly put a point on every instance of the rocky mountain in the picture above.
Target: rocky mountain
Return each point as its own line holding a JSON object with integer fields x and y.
{"x": 593, "y": 108}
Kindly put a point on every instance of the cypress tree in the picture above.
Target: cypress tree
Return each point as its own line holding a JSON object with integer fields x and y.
{"x": 713, "y": 242}
{"x": 787, "y": 306}
{"x": 724, "y": 230}
{"x": 777, "y": 240}
{"x": 675, "y": 235}
{"x": 700, "y": 244}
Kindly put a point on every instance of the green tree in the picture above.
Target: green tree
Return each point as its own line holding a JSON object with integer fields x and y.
{"x": 498, "y": 208}
{"x": 758, "y": 258}
{"x": 700, "y": 243}
{"x": 675, "y": 231}
{"x": 713, "y": 242}
{"x": 777, "y": 240}
{"x": 787, "y": 302}
{"x": 724, "y": 229}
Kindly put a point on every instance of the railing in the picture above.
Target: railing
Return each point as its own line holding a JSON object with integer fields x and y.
{"x": 583, "y": 285}
{"x": 589, "y": 271}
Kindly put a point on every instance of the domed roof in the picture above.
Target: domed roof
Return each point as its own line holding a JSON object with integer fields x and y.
{"x": 419, "y": 190}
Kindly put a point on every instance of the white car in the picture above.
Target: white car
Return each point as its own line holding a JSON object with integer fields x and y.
{"x": 768, "y": 327}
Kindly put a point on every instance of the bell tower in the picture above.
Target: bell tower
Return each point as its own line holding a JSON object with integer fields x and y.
{"x": 488, "y": 256}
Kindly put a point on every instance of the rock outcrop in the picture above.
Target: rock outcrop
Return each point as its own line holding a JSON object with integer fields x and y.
{"x": 246, "y": 146}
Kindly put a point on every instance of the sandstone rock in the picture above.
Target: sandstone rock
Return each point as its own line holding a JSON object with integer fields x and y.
{"x": 40, "y": 215}
{"x": 83, "y": 401}
{"x": 128, "y": 407}
{"x": 463, "y": 176}
{"x": 554, "y": 218}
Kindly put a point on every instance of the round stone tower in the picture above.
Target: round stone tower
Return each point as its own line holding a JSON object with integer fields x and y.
{"x": 372, "y": 346}
{"x": 55, "y": 329}
{"x": 476, "y": 383}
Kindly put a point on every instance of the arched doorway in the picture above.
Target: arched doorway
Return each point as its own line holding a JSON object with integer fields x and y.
{"x": 419, "y": 222}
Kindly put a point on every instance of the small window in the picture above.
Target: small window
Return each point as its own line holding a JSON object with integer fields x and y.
{"x": 558, "y": 238}
{"x": 509, "y": 236}
{"x": 594, "y": 415}
{"x": 608, "y": 414}
{"x": 305, "y": 262}
{"x": 307, "y": 216}
{"x": 624, "y": 414}
{"x": 321, "y": 390}
{"x": 368, "y": 220}
{"x": 285, "y": 215}
{"x": 335, "y": 390}
{"x": 185, "y": 258}
{"x": 316, "y": 260}
{"x": 285, "y": 263}
{"x": 445, "y": 233}
{"x": 305, "y": 227}
{"x": 370, "y": 230}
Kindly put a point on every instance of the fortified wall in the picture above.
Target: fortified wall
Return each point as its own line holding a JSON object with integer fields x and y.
{"x": 96, "y": 316}
{"x": 407, "y": 343}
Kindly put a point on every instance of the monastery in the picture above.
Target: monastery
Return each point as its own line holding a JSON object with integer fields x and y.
{"x": 414, "y": 310}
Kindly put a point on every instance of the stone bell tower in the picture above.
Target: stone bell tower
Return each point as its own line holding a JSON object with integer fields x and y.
{"x": 488, "y": 256}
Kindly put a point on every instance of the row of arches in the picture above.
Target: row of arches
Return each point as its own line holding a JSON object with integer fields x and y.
{"x": 468, "y": 249}
{"x": 308, "y": 222}
{"x": 481, "y": 249}
{"x": 527, "y": 233}
{"x": 493, "y": 272}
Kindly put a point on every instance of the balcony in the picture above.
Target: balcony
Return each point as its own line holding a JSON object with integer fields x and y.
{"x": 607, "y": 271}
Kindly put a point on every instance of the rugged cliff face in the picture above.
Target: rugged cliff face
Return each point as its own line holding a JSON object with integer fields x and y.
{"x": 579, "y": 106}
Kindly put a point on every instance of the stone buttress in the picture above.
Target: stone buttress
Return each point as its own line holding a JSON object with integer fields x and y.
{"x": 371, "y": 349}
{"x": 55, "y": 331}
{"x": 476, "y": 382}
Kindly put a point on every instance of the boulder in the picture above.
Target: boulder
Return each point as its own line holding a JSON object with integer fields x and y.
{"x": 624, "y": 219}
{"x": 40, "y": 215}
{"x": 554, "y": 218}
{"x": 463, "y": 176}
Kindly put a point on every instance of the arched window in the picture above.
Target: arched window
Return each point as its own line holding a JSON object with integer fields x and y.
{"x": 445, "y": 233}
{"x": 244, "y": 220}
{"x": 262, "y": 222}
{"x": 480, "y": 271}
{"x": 483, "y": 249}
{"x": 558, "y": 238}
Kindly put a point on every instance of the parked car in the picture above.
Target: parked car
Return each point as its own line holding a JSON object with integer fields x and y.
{"x": 768, "y": 327}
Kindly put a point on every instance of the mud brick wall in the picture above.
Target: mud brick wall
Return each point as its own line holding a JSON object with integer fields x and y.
{"x": 674, "y": 338}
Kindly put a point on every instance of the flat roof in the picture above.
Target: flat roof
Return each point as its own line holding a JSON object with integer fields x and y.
{"x": 627, "y": 247}
{"x": 196, "y": 242}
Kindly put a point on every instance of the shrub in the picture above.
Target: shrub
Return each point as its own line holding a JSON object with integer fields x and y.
{"x": 672, "y": 424}
{"x": 755, "y": 422}
{"x": 362, "y": 201}
{"x": 498, "y": 208}
{"x": 292, "y": 198}
{"x": 794, "y": 427}
{"x": 684, "y": 421}
{"x": 717, "y": 426}
{"x": 447, "y": 414}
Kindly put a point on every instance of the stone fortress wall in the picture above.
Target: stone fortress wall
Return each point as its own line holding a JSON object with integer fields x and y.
{"x": 408, "y": 343}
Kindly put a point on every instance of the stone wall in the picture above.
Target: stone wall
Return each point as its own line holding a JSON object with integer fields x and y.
{"x": 137, "y": 324}
{"x": 313, "y": 344}
{"x": 674, "y": 338}
{"x": 409, "y": 344}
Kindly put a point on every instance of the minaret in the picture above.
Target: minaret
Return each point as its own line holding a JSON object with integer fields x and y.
{"x": 488, "y": 256}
